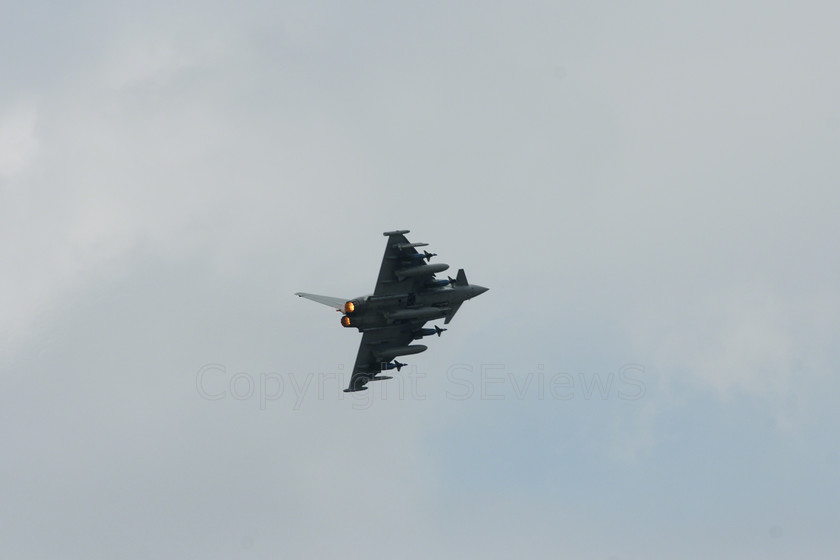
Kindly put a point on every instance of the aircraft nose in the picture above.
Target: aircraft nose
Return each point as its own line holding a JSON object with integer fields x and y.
{"x": 478, "y": 290}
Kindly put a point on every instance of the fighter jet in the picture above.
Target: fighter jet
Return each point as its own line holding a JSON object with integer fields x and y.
{"x": 406, "y": 296}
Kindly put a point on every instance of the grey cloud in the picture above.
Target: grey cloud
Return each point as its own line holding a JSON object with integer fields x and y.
{"x": 639, "y": 184}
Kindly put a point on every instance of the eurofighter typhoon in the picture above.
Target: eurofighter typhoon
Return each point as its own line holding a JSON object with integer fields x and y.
{"x": 406, "y": 296}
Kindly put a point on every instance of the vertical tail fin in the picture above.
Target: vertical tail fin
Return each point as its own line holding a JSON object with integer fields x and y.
{"x": 461, "y": 279}
{"x": 334, "y": 302}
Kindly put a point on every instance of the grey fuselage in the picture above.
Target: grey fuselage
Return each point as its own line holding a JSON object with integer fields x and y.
{"x": 374, "y": 312}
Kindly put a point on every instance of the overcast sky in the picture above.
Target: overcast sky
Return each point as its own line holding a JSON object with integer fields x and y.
{"x": 650, "y": 192}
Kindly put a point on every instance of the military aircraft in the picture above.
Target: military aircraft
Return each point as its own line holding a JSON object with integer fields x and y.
{"x": 406, "y": 296}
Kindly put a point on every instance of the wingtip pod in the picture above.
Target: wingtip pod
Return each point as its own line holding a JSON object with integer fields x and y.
{"x": 349, "y": 390}
{"x": 396, "y": 232}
